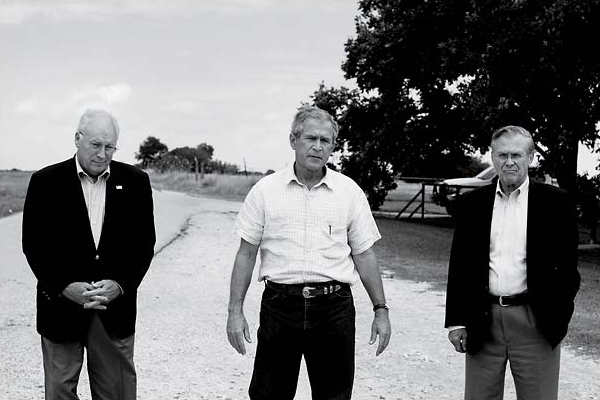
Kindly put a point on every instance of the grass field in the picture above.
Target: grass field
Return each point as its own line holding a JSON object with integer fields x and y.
{"x": 416, "y": 249}
{"x": 231, "y": 187}
{"x": 13, "y": 187}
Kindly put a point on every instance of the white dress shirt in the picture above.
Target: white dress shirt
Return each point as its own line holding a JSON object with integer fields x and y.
{"x": 307, "y": 235}
{"x": 508, "y": 242}
{"x": 95, "y": 198}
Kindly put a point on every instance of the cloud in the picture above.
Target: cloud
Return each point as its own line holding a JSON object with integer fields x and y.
{"x": 17, "y": 12}
{"x": 184, "y": 107}
{"x": 28, "y": 106}
{"x": 89, "y": 95}
{"x": 106, "y": 95}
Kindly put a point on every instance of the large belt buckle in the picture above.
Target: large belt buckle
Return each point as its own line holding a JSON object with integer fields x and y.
{"x": 501, "y": 302}
{"x": 306, "y": 292}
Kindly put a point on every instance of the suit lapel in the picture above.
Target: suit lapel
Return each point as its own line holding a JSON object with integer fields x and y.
{"x": 533, "y": 220}
{"x": 114, "y": 189}
{"x": 487, "y": 209}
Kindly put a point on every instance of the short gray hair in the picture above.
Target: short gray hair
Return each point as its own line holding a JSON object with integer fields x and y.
{"x": 92, "y": 114}
{"x": 311, "y": 112}
{"x": 512, "y": 130}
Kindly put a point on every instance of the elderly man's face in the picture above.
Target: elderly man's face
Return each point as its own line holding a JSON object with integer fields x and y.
{"x": 511, "y": 160}
{"x": 314, "y": 145}
{"x": 96, "y": 146}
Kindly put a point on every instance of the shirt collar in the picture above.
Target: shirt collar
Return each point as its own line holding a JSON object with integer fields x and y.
{"x": 520, "y": 193}
{"x": 327, "y": 180}
{"x": 81, "y": 172}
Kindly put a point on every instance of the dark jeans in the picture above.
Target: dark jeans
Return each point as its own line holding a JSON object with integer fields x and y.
{"x": 322, "y": 329}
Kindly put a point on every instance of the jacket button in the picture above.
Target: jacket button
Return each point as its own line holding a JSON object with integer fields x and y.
{"x": 97, "y": 257}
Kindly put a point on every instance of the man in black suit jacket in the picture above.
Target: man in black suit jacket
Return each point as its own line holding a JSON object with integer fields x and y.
{"x": 512, "y": 277}
{"x": 88, "y": 235}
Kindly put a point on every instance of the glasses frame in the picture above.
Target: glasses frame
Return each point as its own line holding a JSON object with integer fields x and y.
{"x": 97, "y": 147}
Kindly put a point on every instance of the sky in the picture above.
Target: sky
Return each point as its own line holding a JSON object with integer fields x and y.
{"x": 230, "y": 73}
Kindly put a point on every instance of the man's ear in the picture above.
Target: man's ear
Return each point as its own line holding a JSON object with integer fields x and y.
{"x": 293, "y": 139}
{"x": 77, "y": 139}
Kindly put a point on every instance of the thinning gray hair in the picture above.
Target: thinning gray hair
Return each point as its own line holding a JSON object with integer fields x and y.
{"x": 91, "y": 114}
{"x": 311, "y": 112}
{"x": 512, "y": 130}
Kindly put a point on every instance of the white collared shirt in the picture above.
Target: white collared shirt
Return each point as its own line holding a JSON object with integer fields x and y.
{"x": 307, "y": 235}
{"x": 508, "y": 242}
{"x": 95, "y": 198}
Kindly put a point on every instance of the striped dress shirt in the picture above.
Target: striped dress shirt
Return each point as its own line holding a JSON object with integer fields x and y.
{"x": 95, "y": 199}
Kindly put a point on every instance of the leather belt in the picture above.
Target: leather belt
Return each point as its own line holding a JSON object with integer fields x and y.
{"x": 307, "y": 290}
{"x": 512, "y": 300}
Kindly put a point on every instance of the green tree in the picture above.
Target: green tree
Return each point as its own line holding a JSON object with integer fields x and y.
{"x": 531, "y": 63}
{"x": 202, "y": 154}
{"x": 150, "y": 150}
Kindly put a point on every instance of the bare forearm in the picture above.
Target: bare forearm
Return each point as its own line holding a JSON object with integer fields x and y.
{"x": 366, "y": 264}
{"x": 241, "y": 275}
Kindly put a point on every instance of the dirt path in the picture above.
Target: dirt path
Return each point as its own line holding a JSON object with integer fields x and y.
{"x": 181, "y": 346}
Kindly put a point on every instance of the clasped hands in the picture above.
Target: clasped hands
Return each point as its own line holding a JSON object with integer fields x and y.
{"x": 94, "y": 295}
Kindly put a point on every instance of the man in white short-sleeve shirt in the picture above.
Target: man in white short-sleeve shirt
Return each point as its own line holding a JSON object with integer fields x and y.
{"x": 315, "y": 232}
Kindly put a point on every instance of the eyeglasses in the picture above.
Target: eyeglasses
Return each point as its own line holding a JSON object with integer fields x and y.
{"x": 97, "y": 146}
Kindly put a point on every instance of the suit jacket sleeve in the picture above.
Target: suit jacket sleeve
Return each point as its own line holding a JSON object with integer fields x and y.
{"x": 456, "y": 293}
{"x": 37, "y": 244}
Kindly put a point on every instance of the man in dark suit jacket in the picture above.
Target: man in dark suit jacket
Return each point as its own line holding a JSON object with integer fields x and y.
{"x": 88, "y": 235}
{"x": 512, "y": 276}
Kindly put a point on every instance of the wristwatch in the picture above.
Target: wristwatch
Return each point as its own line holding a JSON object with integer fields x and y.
{"x": 380, "y": 305}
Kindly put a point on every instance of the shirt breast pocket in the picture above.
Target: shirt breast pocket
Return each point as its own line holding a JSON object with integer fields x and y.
{"x": 334, "y": 239}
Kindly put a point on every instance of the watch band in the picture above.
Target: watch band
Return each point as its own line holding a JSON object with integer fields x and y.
{"x": 380, "y": 305}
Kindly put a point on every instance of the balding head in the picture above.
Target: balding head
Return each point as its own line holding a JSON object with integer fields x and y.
{"x": 98, "y": 119}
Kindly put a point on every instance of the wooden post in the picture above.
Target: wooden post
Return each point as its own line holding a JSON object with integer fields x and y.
{"x": 423, "y": 200}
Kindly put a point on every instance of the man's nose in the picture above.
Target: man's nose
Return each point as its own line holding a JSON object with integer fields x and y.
{"x": 101, "y": 153}
{"x": 318, "y": 145}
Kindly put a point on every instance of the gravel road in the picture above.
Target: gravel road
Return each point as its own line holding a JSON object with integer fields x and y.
{"x": 181, "y": 346}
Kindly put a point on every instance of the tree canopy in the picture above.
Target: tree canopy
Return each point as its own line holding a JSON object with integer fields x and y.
{"x": 435, "y": 78}
{"x": 202, "y": 153}
{"x": 155, "y": 154}
{"x": 151, "y": 149}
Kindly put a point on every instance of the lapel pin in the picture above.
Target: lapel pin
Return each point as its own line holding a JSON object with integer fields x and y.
{"x": 119, "y": 187}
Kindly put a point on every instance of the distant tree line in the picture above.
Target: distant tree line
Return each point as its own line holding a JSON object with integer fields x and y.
{"x": 155, "y": 154}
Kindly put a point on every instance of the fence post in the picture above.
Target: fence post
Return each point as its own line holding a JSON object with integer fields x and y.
{"x": 422, "y": 200}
